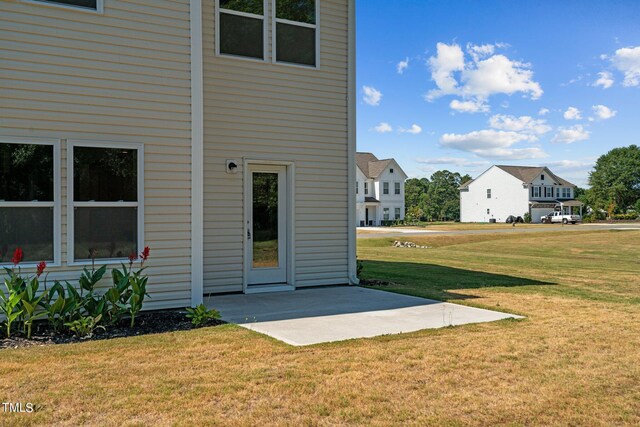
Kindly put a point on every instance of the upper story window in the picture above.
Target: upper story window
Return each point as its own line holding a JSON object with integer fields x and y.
{"x": 397, "y": 188}
{"x": 548, "y": 191}
{"x": 535, "y": 192}
{"x": 241, "y": 28}
{"x": 106, "y": 213}
{"x": 357, "y": 187}
{"x": 28, "y": 201}
{"x": 385, "y": 188}
{"x": 541, "y": 177}
{"x": 566, "y": 193}
{"x": 366, "y": 188}
{"x": 390, "y": 170}
{"x": 488, "y": 193}
{"x": 95, "y": 5}
{"x": 558, "y": 192}
{"x": 296, "y": 26}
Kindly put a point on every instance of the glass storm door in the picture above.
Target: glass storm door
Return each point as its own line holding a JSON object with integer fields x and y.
{"x": 267, "y": 225}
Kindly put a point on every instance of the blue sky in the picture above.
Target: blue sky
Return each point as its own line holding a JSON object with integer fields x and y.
{"x": 552, "y": 83}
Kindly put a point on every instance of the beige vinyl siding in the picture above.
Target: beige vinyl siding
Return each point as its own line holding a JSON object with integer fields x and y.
{"x": 261, "y": 110}
{"x": 121, "y": 76}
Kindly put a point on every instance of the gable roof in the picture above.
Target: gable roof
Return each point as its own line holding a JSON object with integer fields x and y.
{"x": 527, "y": 174}
{"x": 371, "y": 166}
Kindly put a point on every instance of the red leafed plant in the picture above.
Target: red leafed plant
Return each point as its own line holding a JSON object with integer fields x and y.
{"x": 40, "y": 268}
{"x": 17, "y": 256}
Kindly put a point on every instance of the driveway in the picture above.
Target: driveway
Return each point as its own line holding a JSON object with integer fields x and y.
{"x": 319, "y": 315}
{"x": 382, "y": 232}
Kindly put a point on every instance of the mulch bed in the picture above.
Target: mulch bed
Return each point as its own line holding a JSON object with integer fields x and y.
{"x": 152, "y": 322}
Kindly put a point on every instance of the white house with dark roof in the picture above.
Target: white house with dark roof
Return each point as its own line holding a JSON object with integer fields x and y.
{"x": 379, "y": 190}
{"x": 502, "y": 191}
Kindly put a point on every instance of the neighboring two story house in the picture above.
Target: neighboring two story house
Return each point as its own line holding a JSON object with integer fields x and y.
{"x": 219, "y": 133}
{"x": 379, "y": 190}
{"x": 502, "y": 191}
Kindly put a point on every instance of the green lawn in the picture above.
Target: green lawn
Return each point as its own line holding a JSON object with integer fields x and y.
{"x": 573, "y": 361}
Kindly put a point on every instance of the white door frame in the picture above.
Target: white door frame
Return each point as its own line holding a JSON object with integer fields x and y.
{"x": 290, "y": 224}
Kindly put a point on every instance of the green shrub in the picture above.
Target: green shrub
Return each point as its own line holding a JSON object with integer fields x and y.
{"x": 625, "y": 217}
{"x": 10, "y": 301}
{"x": 85, "y": 326}
{"x": 359, "y": 267}
{"x": 527, "y": 218}
{"x": 200, "y": 315}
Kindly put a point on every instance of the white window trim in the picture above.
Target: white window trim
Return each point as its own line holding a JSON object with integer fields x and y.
{"x": 71, "y": 204}
{"x": 385, "y": 188}
{"x": 315, "y": 26}
{"x": 99, "y": 6}
{"x": 265, "y": 32}
{"x": 397, "y": 186}
{"x": 56, "y": 204}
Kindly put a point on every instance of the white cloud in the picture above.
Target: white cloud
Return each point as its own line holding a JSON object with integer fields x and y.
{"x": 494, "y": 144}
{"x": 414, "y": 129}
{"x": 486, "y": 74}
{"x": 571, "y": 134}
{"x": 402, "y": 65}
{"x": 469, "y": 106}
{"x": 448, "y": 60}
{"x": 383, "y": 127}
{"x": 498, "y": 74}
{"x": 572, "y": 113}
{"x": 603, "y": 112}
{"x": 456, "y": 161}
{"x": 478, "y": 52}
{"x": 372, "y": 96}
{"x": 605, "y": 79}
{"x": 627, "y": 61}
{"x": 524, "y": 124}
{"x": 543, "y": 112}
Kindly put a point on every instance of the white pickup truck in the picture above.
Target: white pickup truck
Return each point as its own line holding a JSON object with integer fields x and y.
{"x": 556, "y": 217}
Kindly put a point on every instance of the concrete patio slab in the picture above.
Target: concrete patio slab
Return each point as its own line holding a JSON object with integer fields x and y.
{"x": 318, "y": 315}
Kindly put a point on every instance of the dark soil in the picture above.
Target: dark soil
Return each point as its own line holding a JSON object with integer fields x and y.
{"x": 376, "y": 283}
{"x": 152, "y": 322}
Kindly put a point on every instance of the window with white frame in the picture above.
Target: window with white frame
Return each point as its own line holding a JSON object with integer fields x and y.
{"x": 391, "y": 170}
{"x": 106, "y": 213}
{"x": 397, "y": 188}
{"x": 29, "y": 201}
{"x": 566, "y": 193}
{"x": 488, "y": 193}
{"x": 357, "y": 187}
{"x": 385, "y": 188}
{"x": 385, "y": 214}
{"x": 535, "y": 191}
{"x": 548, "y": 191}
{"x": 366, "y": 188}
{"x": 558, "y": 192}
{"x": 296, "y": 32}
{"x": 241, "y": 28}
{"x": 397, "y": 213}
{"x": 80, "y": 4}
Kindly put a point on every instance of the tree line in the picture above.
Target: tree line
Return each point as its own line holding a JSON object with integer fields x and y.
{"x": 434, "y": 199}
{"x": 614, "y": 183}
{"x": 614, "y": 189}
